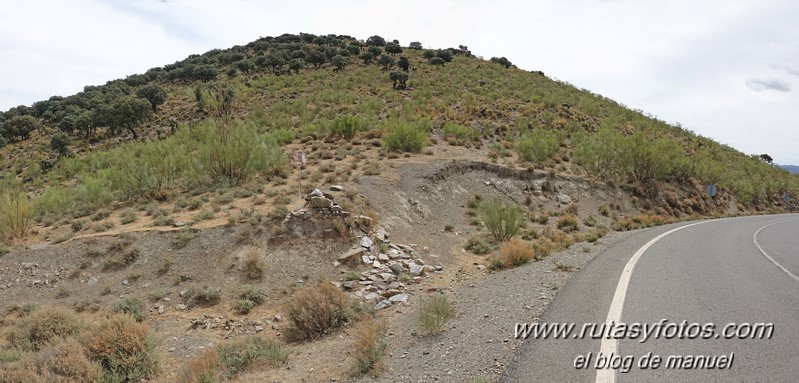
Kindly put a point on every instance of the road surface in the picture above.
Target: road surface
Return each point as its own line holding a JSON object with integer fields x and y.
{"x": 740, "y": 271}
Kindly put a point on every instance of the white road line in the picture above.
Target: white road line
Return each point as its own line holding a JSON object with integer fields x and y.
{"x": 754, "y": 239}
{"x": 608, "y": 375}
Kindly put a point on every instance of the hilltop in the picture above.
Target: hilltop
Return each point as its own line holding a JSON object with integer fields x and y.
{"x": 223, "y": 187}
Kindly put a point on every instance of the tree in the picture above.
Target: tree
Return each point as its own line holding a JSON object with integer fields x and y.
{"x": 375, "y": 51}
{"x": 415, "y": 45}
{"x": 340, "y": 62}
{"x": 124, "y": 113}
{"x": 393, "y": 49}
{"x": 60, "y": 143}
{"x": 354, "y": 49}
{"x": 428, "y": 54}
{"x": 296, "y": 64}
{"x": 403, "y": 63}
{"x": 153, "y": 93}
{"x": 204, "y": 73}
{"x": 316, "y": 58}
{"x": 399, "y": 80}
{"x": 445, "y": 54}
{"x": 437, "y": 61}
{"x": 767, "y": 158}
{"x": 386, "y": 61}
{"x": 244, "y": 65}
{"x": 20, "y": 127}
{"x": 275, "y": 61}
{"x": 501, "y": 61}
{"x": 366, "y": 57}
{"x": 376, "y": 41}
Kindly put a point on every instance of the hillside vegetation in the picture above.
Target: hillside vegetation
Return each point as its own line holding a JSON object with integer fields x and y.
{"x": 223, "y": 120}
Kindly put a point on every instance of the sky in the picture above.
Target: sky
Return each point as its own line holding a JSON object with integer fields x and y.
{"x": 728, "y": 70}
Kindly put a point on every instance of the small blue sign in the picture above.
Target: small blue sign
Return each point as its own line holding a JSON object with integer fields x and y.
{"x": 711, "y": 190}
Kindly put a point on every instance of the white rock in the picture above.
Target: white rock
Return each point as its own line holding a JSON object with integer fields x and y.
{"x": 337, "y": 188}
{"x": 382, "y": 304}
{"x": 366, "y": 242}
{"x": 398, "y": 298}
{"x": 415, "y": 269}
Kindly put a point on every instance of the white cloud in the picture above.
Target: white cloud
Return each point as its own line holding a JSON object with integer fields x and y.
{"x": 681, "y": 60}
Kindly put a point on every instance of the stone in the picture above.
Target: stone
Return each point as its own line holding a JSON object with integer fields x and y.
{"x": 382, "y": 304}
{"x": 381, "y": 234}
{"x": 259, "y": 329}
{"x": 391, "y": 292}
{"x": 125, "y": 282}
{"x": 352, "y": 254}
{"x": 181, "y": 307}
{"x": 439, "y": 268}
{"x": 350, "y": 285}
{"x": 366, "y": 242}
{"x": 179, "y": 224}
{"x": 383, "y": 257}
{"x": 366, "y": 259}
{"x": 372, "y": 296}
{"x": 171, "y": 349}
{"x": 481, "y": 267}
{"x": 320, "y": 202}
{"x": 396, "y": 268}
{"x": 394, "y": 285}
{"x": 160, "y": 309}
{"x": 564, "y": 199}
{"x": 387, "y": 276}
{"x": 337, "y": 188}
{"x": 167, "y": 299}
{"x": 183, "y": 293}
{"x": 376, "y": 264}
{"x": 415, "y": 270}
{"x": 278, "y": 318}
{"x": 398, "y": 298}
{"x": 315, "y": 193}
{"x": 93, "y": 281}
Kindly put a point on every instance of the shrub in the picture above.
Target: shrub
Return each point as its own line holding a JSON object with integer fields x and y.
{"x": 347, "y": 126}
{"x": 45, "y": 326}
{"x": 477, "y": 246}
{"x": 316, "y": 311}
{"x": 208, "y": 296}
{"x": 254, "y": 267}
{"x": 128, "y": 216}
{"x": 369, "y": 347}
{"x": 405, "y": 137}
{"x": 515, "y": 253}
{"x": 243, "y": 306}
{"x": 124, "y": 348}
{"x": 537, "y": 145}
{"x": 59, "y": 142}
{"x": 568, "y": 222}
{"x": 433, "y": 313}
{"x": 16, "y": 215}
{"x": 503, "y": 221}
{"x": 238, "y": 355}
{"x": 459, "y": 135}
{"x": 234, "y": 154}
{"x": 132, "y": 306}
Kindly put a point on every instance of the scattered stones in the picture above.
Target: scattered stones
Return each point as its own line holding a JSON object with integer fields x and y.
{"x": 366, "y": 242}
{"x": 398, "y": 298}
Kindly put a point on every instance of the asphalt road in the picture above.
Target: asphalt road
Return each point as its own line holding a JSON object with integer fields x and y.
{"x": 707, "y": 273}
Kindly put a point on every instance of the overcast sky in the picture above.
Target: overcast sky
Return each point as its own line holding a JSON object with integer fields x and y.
{"x": 726, "y": 69}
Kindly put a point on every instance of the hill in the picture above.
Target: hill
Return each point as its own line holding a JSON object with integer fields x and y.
{"x": 223, "y": 187}
{"x": 793, "y": 169}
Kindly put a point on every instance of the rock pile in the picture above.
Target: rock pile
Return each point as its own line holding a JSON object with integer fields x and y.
{"x": 392, "y": 267}
{"x": 323, "y": 203}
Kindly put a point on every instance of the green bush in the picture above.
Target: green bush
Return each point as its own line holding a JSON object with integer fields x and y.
{"x": 132, "y": 306}
{"x": 236, "y": 356}
{"x": 537, "y": 145}
{"x": 404, "y": 137}
{"x": 207, "y": 296}
{"x": 459, "y": 134}
{"x": 16, "y": 215}
{"x": 502, "y": 220}
{"x": 347, "y": 126}
{"x": 433, "y": 313}
{"x": 477, "y": 246}
{"x": 233, "y": 155}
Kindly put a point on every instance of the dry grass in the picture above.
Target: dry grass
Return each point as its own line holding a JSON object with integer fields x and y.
{"x": 16, "y": 215}
{"x": 568, "y": 222}
{"x": 203, "y": 368}
{"x": 515, "y": 253}
{"x": 369, "y": 348}
{"x": 316, "y": 311}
